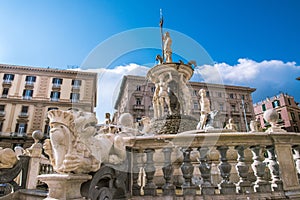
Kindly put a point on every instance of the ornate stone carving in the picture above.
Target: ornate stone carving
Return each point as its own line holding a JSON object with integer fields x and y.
{"x": 231, "y": 125}
{"x": 8, "y": 158}
{"x": 76, "y": 147}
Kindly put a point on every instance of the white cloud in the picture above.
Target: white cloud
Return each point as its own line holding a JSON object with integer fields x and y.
{"x": 109, "y": 81}
{"x": 268, "y": 77}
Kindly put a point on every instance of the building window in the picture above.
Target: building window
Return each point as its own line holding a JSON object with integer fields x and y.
{"x": 275, "y": 103}
{"x": 289, "y": 101}
{"x": 21, "y": 129}
{"x": 293, "y": 116}
{"x": 1, "y": 126}
{"x": 219, "y": 94}
{"x": 54, "y": 96}
{"x": 153, "y": 89}
{"x": 279, "y": 115}
{"x": 52, "y": 108}
{"x": 24, "y": 111}
{"x": 74, "y": 97}
{"x": 76, "y": 83}
{"x": 2, "y": 110}
{"x": 263, "y": 106}
{"x": 195, "y": 93}
{"x": 242, "y": 96}
{"x": 296, "y": 129}
{"x": 138, "y": 101}
{"x": 233, "y": 108}
{"x": 231, "y": 96}
{"x": 5, "y": 92}
{"x": 221, "y": 107}
{"x": 196, "y": 105}
{"x": 30, "y": 80}
{"x": 27, "y": 94}
{"x": 57, "y": 82}
{"x": 207, "y": 93}
{"x": 138, "y": 88}
{"x": 8, "y": 78}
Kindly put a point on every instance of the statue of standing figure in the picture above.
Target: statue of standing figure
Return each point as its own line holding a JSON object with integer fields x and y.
{"x": 167, "y": 47}
{"x": 204, "y": 109}
{"x": 161, "y": 96}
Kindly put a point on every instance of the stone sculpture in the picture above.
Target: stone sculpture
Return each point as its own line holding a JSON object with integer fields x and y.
{"x": 8, "y": 158}
{"x": 167, "y": 47}
{"x": 254, "y": 126}
{"x": 231, "y": 125}
{"x": 146, "y": 125}
{"x": 272, "y": 117}
{"x": 204, "y": 109}
{"x": 75, "y": 146}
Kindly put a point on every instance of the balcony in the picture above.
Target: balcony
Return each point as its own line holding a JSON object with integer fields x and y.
{"x": 29, "y": 84}
{"x": 7, "y": 83}
{"x": 138, "y": 107}
{"x": 2, "y": 113}
{"x": 56, "y": 86}
{"x": 23, "y": 115}
{"x": 27, "y": 97}
{"x": 54, "y": 99}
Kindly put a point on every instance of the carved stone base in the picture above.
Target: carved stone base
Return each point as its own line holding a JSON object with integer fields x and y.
{"x": 173, "y": 124}
{"x": 64, "y": 186}
{"x": 262, "y": 187}
{"x": 227, "y": 188}
{"x": 207, "y": 189}
{"x": 244, "y": 187}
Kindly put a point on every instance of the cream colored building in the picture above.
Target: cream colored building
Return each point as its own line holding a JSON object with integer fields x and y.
{"x": 27, "y": 93}
{"x": 231, "y": 101}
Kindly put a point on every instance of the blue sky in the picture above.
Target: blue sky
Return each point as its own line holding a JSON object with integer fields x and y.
{"x": 253, "y": 43}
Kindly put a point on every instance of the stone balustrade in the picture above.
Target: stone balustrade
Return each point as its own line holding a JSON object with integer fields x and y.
{"x": 219, "y": 165}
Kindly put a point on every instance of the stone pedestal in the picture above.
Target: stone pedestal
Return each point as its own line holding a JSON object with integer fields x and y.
{"x": 64, "y": 186}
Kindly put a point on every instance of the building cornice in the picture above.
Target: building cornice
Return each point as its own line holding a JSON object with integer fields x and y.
{"x": 45, "y": 71}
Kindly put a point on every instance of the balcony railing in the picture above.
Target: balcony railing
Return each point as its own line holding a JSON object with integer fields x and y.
{"x": 218, "y": 165}
{"x": 2, "y": 113}
{"x": 23, "y": 115}
{"x": 138, "y": 107}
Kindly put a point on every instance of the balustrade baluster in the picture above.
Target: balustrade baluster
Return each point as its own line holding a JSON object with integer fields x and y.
{"x": 187, "y": 171}
{"x": 168, "y": 188}
{"x": 226, "y": 187}
{"x": 273, "y": 165}
{"x": 150, "y": 187}
{"x": 205, "y": 168}
{"x": 244, "y": 185}
{"x": 259, "y": 167}
{"x": 296, "y": 149}
{"x": 136, "y": 188}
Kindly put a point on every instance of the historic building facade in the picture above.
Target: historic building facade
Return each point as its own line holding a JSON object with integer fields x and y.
{"x": 234, "y": 102}
{"x": 27, "y": 93}
{"x": 287, "y": 108}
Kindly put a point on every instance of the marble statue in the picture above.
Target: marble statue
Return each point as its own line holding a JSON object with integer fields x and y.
{"x": 167, "y": 47}
{"x": 146, "y": 125}
{"x": 186, "y": 96}
{"x": 254, "y": 126}
{"x": 231, "y": 125}
{"x": 163, "y": 95}
{"x": 75, "y": 146}
{"x": 36, "y": 148}
{"x": 204, "y": 109}
{"x": 8, "y": 158}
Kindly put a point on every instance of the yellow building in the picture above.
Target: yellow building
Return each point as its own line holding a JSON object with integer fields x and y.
{"x": 27, "y": 93}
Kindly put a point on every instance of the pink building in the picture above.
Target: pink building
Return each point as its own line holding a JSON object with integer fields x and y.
{"x": 287, "y": 108}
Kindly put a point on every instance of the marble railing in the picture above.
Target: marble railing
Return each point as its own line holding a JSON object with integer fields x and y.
{"x": 236, "y": 165}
